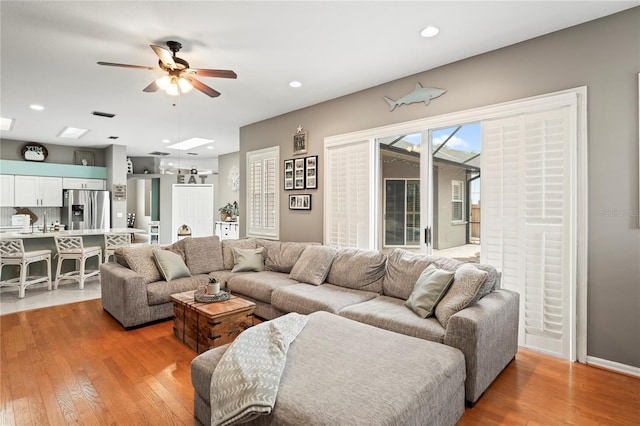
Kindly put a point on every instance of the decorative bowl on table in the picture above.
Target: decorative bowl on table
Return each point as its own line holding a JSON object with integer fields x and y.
{"x": 201, "y": 295}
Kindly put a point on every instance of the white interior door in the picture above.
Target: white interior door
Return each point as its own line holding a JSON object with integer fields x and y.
{"x": 192, "y": 205}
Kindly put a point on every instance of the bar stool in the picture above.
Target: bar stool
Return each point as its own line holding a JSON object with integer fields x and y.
{"x": 113, "y": 241}
{"x": 71, "y": 248}
{"x": 12, "y": 253}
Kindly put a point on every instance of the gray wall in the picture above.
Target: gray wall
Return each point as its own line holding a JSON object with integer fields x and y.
{"x": 603, "y": 55}
{"x": 446, "y": 234}
{"x": 224, "y": 193}
{"x": 116, "y": 163}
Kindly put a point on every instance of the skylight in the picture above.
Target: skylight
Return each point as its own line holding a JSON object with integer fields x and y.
{"x": 72, "y": 133}
{"x": 190, "y": 143}
{"x": 6, "y": 124}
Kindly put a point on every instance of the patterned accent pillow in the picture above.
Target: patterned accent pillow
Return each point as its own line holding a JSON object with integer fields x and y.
{"x": 248, "y": 260}
{"x": 467, "y": 285}
{"x": 140, "y": 260}
{"x": 229, "y": 245}
{"x": 170, "y": 265}
{"x": 430, "y": 287}
{"x": 313, "y": 265}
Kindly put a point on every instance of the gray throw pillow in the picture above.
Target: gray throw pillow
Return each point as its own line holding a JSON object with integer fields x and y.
{"x": 170, "y": 265}
{"x": 248, "y": 260}
{"x": 431, "y": 286}
{"x": 467, "y": 284}
{"x": 313, "y": 264}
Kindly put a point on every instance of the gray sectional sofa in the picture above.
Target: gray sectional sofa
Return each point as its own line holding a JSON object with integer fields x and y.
{"x": 474, "y": 316}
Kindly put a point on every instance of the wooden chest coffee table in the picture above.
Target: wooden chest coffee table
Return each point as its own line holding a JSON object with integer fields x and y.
{"x": 203, "y": 326}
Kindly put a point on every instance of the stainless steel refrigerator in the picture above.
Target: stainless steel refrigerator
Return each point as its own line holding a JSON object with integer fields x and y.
{"x": 86, "y": 209}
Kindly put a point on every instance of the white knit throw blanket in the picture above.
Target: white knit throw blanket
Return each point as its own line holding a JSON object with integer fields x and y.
{"x": 245, "y": 382}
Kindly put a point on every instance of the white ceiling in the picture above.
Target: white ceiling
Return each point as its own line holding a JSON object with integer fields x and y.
{"x": 49, "y": 52}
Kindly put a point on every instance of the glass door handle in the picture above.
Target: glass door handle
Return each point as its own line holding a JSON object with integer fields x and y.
{"x": 427, "y": 235}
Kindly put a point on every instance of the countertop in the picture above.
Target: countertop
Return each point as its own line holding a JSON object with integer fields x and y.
{"x": 8, "y": 235}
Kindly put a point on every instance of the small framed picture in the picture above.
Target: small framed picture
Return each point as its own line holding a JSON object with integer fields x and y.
{"x": 300, "y": 143}
{"x": 311, "y": 172}
{"x": 298, "y": 173}
{"x": 288, "y": 174}
{"x": 300, "y": 202}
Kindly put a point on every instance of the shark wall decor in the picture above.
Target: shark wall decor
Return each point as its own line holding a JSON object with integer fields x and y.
{"x": 419, "y": 94}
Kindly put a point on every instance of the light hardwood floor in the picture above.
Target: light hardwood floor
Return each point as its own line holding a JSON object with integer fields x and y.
{"x": 73, "y": 364}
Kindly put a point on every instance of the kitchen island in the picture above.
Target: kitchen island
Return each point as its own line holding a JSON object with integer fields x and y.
{"x": 44, "y": 241}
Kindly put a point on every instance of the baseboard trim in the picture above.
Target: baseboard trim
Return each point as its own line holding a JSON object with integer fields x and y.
{"x": 615, "y": 366}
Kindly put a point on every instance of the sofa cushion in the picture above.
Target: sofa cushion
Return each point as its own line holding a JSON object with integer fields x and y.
{"x": 258, "y": 285}
{"x": 358, "y": 269}
{"x": 229, "y": 245}
{"x": 404, "y": 268}
{"x": 248, "y": 260}
{"x": 160, "y": 292}
{"x": 313, "y": 265}
{"x": 431, "y": 286}
{"x": 307, "y": 298}
{"x": 390, "y": 314}
{"x": 280, "y": 256}
{"x": 203, "y": 254}
{"x": 140, "y": 259}
{"x": 177, "y": 248}
{"x": 170, "y": 264}
{"x": 465, "y": 289}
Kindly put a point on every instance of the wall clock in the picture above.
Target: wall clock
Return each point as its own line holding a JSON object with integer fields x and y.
{"x": 34, "y": 152}
{"x": 234, "y": 179}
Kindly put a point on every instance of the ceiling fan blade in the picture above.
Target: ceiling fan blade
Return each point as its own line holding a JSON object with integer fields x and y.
{"x": 215, "y": 73}
{"x": 140, "y": 67}
{"x": 164, "y": 55}
{"x": 153, "y": 87}
{"x": 203, "y": 87}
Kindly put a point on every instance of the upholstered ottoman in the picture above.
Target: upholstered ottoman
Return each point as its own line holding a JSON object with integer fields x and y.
{"x": 342, "y": 372}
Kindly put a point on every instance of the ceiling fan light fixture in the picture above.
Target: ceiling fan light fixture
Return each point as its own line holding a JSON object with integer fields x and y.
{"x": 172, "y": 90}
{"x": 164, "y": 82}
{"x": 185, "y": 85}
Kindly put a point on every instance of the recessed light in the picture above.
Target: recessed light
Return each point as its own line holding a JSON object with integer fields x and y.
{"x": 190, "y": 143}
{"x": 36, "y": 107}
{"x": 165, "y": 141}
{"x": 210, "y": 147}
{"x": 295, "y": 83}
{"x": 429, "y": 31}
{"x": 72, "y": 133}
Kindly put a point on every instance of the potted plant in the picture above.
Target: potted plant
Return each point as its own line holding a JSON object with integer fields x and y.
{"x": 226, "y": 211}
{"x": 229, "y": 212}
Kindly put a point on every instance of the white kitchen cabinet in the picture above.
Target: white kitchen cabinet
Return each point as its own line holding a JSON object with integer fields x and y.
{"x": 82, "y": 183}
{"x": 38, "y": 191}
{"x": 7, "y": 191}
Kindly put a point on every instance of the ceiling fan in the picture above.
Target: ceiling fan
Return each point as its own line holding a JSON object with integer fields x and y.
{"x": 180, "y": 77}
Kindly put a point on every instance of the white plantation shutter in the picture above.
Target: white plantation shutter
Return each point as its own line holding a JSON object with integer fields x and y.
{"x": 527, "y": 227}
{"x": 349, "y": 195}
{"x": 262, "y": 193}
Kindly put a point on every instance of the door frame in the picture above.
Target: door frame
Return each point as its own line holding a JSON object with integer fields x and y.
{"x": 576, "y": 95}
